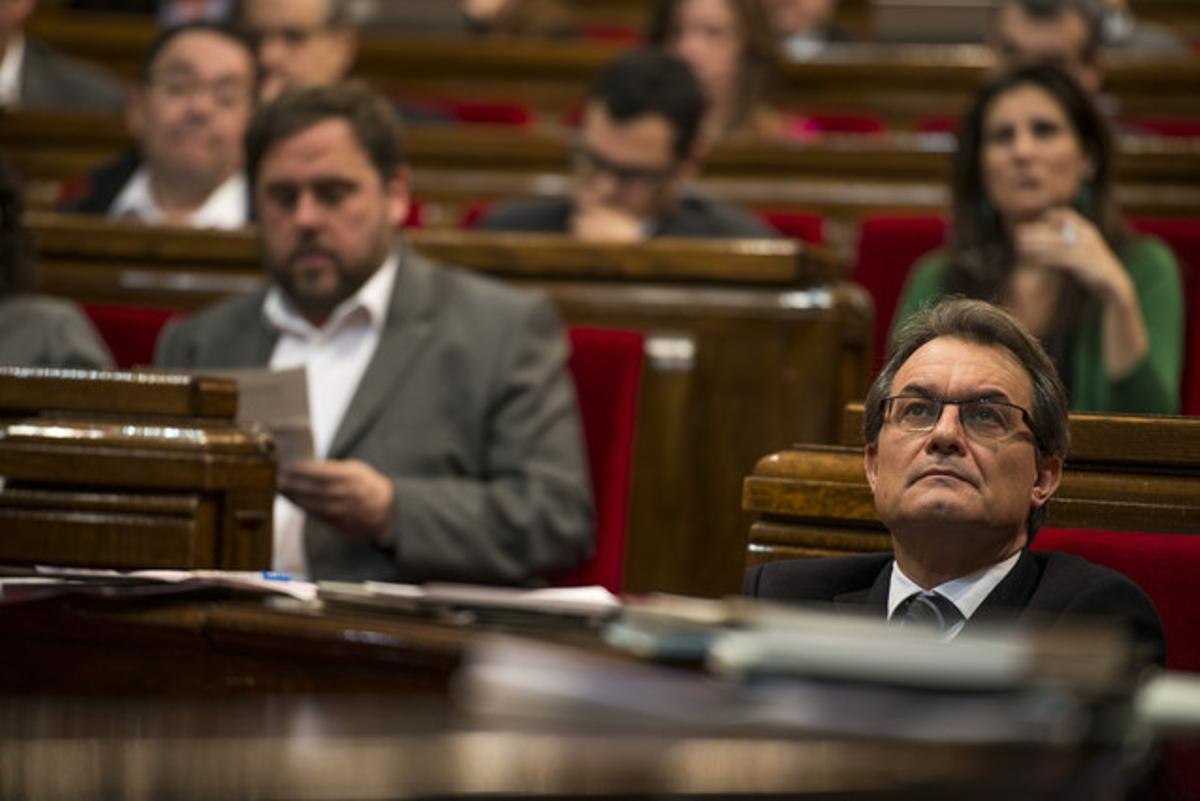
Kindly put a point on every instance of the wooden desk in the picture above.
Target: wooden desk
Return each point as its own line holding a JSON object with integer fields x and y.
{"x": 1123, "y": 472}
{"x": 207, "y": 698}
{"x": 751, "y": 346}
{"x": 125, "y": 471}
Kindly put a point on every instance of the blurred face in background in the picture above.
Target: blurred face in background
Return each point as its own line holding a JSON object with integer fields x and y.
{"x": 192, "y": 113}
{"x": 709, "y": 37}
{"x": 798, "y": 17}
{"x": 1031, "y": 157}
{"x": 297, "y": 44}
{"x": 628, "y": 166}
{"x": 1019, "y": 38}
{"x": 13, "y": 14}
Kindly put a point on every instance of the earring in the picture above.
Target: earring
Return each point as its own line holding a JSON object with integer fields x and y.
{"x": 1083, "y": 198}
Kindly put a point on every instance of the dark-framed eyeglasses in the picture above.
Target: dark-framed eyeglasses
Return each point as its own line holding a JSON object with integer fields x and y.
{"x": 589, "y": 162}
{"x": 983, "y": 419}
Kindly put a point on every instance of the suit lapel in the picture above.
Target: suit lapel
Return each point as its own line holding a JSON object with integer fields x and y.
{"x": 1013, "y": 592}
{"x": 405, "y": 332}
{"x": 873, "y": 599}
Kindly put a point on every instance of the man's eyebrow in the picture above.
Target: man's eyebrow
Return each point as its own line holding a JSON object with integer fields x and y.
{"x": 990, "y": 393}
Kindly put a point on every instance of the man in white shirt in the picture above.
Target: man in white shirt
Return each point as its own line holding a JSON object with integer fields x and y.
{"x": 445, "y": 423}
{"x": 966, "y": 430}
{"x": 35, "y": 75}
{"x": 189, "y": 114}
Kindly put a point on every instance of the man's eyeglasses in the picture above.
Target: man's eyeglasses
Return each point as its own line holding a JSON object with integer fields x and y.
{"x": 982, "y": 419}
{"x": 226, "y": 94}
{"x": 589, "y": 162}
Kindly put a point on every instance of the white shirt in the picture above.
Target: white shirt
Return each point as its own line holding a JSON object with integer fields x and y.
{"x": 335, "y": 357}
{"x": 966, "y": 592}
{"x": 225, "y": 208}
{"x": 10, "y": 73}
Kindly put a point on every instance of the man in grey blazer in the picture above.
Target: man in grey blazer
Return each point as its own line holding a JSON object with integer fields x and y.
{"x": 35, "y": 75}
{"x": 445, "y": 422}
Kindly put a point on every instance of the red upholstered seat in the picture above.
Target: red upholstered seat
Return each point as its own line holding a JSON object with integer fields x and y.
{"x": 804, "y": 126}
{"x": 800, "y": 225}
{"x": 1165, "y": 566}
{"x": 1159, "y": 126}
{"x": 606, "y": 366}
{"x": 887, "y": 249}
{"x": 1183, "y": 235}
{"x": 129, "y": 331}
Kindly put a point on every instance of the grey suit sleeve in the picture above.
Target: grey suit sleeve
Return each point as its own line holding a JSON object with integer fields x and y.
{"x": 531, "y": 514}
{"x": 171, "y": 348}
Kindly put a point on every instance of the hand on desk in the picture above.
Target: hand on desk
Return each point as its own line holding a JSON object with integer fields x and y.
{"x": 350, "y": 495}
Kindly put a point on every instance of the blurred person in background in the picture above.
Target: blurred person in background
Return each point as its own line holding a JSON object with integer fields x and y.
{"x": 301, "y": 42}
{"x": 189, "y": 114}
{"x": 1126, "y": 35}
{"x": 1037, "y": 231}
{"x": 637, "y": 153}
{"x": 806, "y": 27}
{"x": 35, "y": 75}
{"x": 36, "y": 331}
{"x": 733, "y": 50}
{"x": 1068, "y": 33}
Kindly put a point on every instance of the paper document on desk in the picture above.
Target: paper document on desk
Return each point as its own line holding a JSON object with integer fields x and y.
{"x": 277, "y": 400}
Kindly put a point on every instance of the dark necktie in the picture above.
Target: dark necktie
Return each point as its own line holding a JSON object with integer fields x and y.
{"x": 928, "y": 609}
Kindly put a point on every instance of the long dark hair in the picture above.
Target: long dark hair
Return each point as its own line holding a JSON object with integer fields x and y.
{"x": 982, "y": 255}
{"x": 759, "y": 63}
{"x": 16, "y": 251}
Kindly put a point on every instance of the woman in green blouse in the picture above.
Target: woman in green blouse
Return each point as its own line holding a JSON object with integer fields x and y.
{"x": 1036, "y": 230}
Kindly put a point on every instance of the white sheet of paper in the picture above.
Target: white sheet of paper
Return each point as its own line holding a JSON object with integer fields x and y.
{"x": 277, "y": 400}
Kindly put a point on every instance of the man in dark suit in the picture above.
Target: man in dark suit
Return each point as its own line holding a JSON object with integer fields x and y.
{"x": 966, "y": 430}
{"x": 445, "y": 423}
{"x": 636, "y": 156}
{"x": 35, "y": 75}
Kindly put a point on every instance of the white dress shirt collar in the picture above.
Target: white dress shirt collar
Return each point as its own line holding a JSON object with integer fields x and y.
{"x": 10, "y": 72}
{"x": 371, "y": 299}
{"x": 225, "y": 208}
{"x": 966, "y": 592}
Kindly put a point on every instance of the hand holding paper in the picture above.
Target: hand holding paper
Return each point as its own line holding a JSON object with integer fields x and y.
{"x": 350, "y": 495}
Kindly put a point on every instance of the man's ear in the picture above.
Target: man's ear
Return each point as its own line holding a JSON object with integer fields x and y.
{"x": 398, "y": 196}
{"x": 347, "y": 49}
{"x": 870, "y": 464}
{"x": 1049, "y": 475}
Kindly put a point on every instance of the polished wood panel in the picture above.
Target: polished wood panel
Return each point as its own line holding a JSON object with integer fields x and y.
{"x": 842, "y": 177}
{"x": 751, "y": 346}
{"x": 126, "y": 471}
{"x": 1123, "y": 472}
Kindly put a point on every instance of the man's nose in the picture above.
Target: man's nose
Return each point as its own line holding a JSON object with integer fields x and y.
{"x": 272, "y": 52}
{"x": 947, "y": 434}
{"x": 308, "y": 212}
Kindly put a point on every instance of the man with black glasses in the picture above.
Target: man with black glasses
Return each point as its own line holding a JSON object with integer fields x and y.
{"x": 966, "y": 431}
{"x": 636, "y": 154}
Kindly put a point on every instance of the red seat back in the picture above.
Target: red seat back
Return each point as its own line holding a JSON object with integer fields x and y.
{"x": 1165, "y": 566}
{"x": 129, "y": 331}
{"x": 887, "y": 249}
{"x": 800, "y": 225}
{"x": 606, "y": 366}
{"x": 1184, "y": 238}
